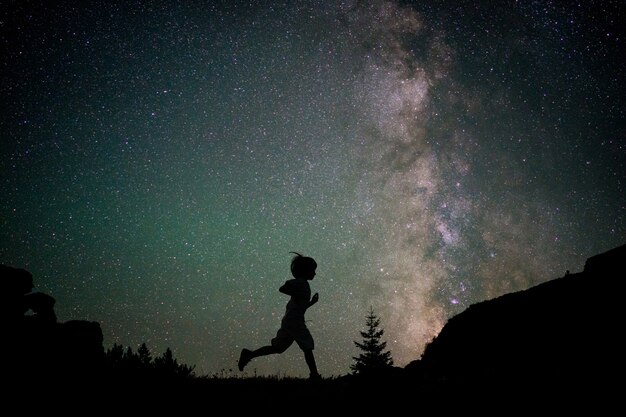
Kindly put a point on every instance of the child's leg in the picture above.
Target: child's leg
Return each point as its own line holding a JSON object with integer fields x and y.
{"x": 279, "y": 344}
{"x": 310, "y": 361}
{"x": 247, "y": 355}
{"x": 264, "y": 351}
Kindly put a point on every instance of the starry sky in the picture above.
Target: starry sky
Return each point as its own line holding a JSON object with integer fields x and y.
{"x": 160, "y": 160}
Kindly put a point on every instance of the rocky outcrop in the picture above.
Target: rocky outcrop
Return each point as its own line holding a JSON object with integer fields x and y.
{"x": 39, "y": 348}
{"x": 564, "y": 332}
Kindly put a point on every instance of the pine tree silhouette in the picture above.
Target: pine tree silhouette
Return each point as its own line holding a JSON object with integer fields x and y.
{"x": 142, "y": 364}
{"x": 168, "y": 365}
{"x": 374, "y": 357}
{"x": 145, "y": 358}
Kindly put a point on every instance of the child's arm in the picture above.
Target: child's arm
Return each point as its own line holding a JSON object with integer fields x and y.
{"x": 286, "y": 288}
{"x": 314, "y": 299}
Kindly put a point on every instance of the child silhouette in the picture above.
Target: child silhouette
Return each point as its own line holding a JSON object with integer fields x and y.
{"x": 293, "y": 327}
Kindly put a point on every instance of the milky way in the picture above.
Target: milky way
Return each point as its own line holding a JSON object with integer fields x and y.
{"x": 159, "y": 162}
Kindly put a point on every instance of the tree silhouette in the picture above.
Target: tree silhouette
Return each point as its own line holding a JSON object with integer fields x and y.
{"x": 141, "y": 363}
{"x": 145, "y": 358}
{"x": 374, "y": 357}
{"x": 168, "y": 365}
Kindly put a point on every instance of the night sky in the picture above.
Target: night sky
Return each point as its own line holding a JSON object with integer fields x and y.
{"x": 160, "y": 160}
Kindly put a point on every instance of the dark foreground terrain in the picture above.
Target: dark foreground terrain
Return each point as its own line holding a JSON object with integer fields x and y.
{"x": 554, "y": 347}
{"x": 397, "y": 392}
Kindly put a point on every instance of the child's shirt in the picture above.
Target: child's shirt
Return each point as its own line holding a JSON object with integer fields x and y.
{"x": 300, "y": 293}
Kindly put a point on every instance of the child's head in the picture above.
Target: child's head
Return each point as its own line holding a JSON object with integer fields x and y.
{"x": 303, "y": 266}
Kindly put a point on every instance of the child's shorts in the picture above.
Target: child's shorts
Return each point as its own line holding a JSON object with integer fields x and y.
{"x": 290, "y": 332}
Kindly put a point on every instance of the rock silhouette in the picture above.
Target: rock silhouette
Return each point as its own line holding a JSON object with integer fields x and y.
{"x": 563, "y": 334}
{"x": 42, "y": 350}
